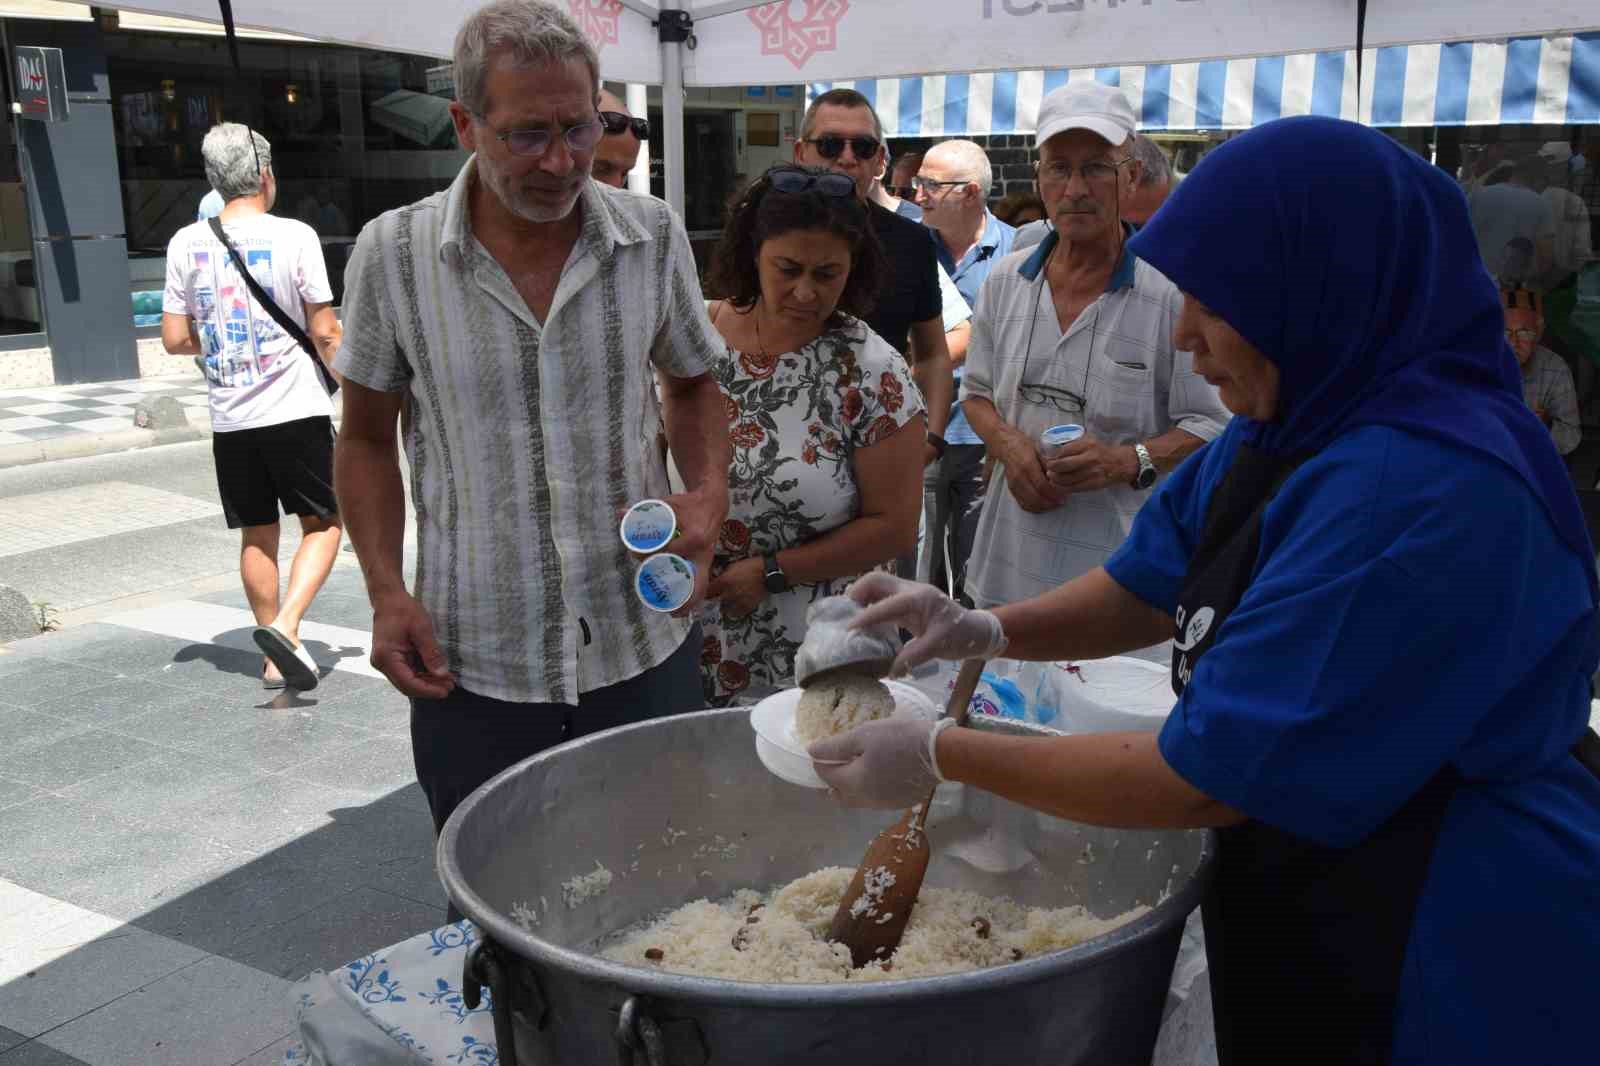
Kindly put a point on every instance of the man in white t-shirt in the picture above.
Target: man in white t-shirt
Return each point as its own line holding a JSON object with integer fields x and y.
{"x": 271, "y": 417}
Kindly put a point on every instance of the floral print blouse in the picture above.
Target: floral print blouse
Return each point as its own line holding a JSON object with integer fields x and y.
{"x": 795, "y": 421}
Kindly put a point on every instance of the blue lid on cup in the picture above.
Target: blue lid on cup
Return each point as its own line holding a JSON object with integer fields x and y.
{"x": 648, "y": 526}
{"x": 664, "y": 582}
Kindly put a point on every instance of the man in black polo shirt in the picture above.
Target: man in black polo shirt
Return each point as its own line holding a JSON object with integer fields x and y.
{"x": 841, "y": 131}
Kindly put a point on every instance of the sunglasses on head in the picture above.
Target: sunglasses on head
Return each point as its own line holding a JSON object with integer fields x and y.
{"x": 616, "y": 122}
{"x": 792, "y": 179}
{"x": 832, "y": 146}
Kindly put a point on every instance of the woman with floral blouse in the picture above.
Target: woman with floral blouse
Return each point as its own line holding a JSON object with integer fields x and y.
{"x": 827, "y": 426}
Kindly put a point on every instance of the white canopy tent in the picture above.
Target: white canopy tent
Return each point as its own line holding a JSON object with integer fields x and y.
{"x": 677, "y": 43}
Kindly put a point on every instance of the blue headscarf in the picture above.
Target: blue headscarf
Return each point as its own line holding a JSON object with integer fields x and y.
{"x": 1350, "y": 262}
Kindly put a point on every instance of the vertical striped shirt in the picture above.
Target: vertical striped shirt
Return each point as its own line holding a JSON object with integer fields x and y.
{"x": 525, "y": 439}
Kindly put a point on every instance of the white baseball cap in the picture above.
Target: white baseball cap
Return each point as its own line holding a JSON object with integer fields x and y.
{"x": 1086, "y": 105}
{"x": 1556, "y": 152}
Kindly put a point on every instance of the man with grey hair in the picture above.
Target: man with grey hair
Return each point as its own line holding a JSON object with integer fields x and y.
{"x": 518, "y": 321}
{"x": 953, "y": 185}
{"x": 271, "y": 418}
{"x": 1155, "y": 183}
{"x": 1077, "y": 332}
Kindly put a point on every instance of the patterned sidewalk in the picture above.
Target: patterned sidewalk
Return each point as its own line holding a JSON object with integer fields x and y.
{"x": 32, "y": 415}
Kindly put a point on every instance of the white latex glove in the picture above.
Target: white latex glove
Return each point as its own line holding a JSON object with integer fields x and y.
{"x": 942, "y": 627}
{"x": 888, "y": 763}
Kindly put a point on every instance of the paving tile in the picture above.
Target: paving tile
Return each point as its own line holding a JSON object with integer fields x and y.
{"x": 209, "y": 668}
{"x": 69, "y": 974}
{"x": 76, "y": 757}
{"x": 15, "y": 792}
{"x": 260, "y": 814}
{"x": 9, "y": 1039}
{"x": 216, "y": 910}
{"x": 214, "y": 1011}
{"x": 364, "y": 838}
{"x": 121, "y": 651}
{"x": 168, "y": 780}
{"x": 38, "y": 1053}
{"x": 273, "y": 1054}
{"x": 380, "y": 766}
{"x": 103, "y": 860}
{"x": 189, "y": 721}
{"x": 414, "y": 878}
{"x": 375, "y": 705}
{"x": 47, "y": 679}
{"x": 126, "y": 697}
{"x": 23, "y": 729}
{"x": 286, "y": 739}
{"x": 330, "y": 936}
{"x": 25, "y": 913}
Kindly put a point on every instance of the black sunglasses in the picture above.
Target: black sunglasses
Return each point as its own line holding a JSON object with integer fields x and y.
{"x": 616, "y": 122}
{"x": 793, "y": 179}
{"x": 832, "y": 146}
{"x": 905, "y": 192}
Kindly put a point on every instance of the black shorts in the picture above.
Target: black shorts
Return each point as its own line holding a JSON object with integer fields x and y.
{"x": 291, "y": 463}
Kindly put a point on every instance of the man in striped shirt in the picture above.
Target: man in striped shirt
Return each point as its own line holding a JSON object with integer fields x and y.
{"x": 514, "y": 325}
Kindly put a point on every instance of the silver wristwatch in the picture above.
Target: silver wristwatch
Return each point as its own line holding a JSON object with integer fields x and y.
{"x": 1147, "y": 468}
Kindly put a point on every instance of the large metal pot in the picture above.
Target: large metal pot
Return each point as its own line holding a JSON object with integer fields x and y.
{"x": 680, "y": 808}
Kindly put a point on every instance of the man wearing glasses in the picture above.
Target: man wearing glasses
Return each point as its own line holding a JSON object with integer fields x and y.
{"x": 618, "y": 150}
{"x": 1076, "y": 331}
{"x": 841, "y": 131}
{"x": 1546, "y": 381}
{"x": 518, "y": 320}
{"x": 952, "y": 187}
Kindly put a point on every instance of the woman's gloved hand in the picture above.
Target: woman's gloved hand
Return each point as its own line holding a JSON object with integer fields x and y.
{"x": 888, "y": 763}
{"x": 942, "y": 627}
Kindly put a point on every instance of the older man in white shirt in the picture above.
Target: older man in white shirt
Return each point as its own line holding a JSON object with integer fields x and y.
{"x": 1076, "y": 331}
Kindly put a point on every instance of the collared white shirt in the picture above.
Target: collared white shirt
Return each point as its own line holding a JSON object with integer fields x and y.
{"x": 526, "y": 439}
{"x": 1118, "y": 356}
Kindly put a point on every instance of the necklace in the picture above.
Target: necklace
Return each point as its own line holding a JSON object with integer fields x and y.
{"x": 759, "y": 344}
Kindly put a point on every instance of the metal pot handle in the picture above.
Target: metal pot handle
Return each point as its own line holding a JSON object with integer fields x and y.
{"x": 483, "y": 967}
{"x": 637, "y": 1031}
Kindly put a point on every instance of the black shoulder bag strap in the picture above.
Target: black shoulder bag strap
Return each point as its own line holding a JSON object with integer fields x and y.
{"x": 270, "y": 306}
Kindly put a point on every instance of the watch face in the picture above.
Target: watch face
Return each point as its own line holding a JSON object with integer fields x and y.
{"x": 777, "y": 583}
{"x": 1146, "y": 478}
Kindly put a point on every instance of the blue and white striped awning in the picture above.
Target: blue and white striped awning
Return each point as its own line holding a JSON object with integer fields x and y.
{"x": 1523, "y": 80}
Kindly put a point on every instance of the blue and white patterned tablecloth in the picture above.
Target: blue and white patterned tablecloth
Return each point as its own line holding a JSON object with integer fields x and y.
{"x": 402, "y": 1006}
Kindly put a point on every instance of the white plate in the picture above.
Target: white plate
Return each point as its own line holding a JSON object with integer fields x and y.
{"x": 783, "y": 753}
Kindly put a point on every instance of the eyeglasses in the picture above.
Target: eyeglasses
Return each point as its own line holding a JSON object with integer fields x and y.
{"x": 923, "y": 184}
{"x": 530, "y": 143}
{"x": 793, "y": 179}
{"x": 616, "y": 122}
{"x": 1064, "y": 400}
{"x": 905, "y": 192}
{"x": 1522, "y": 334}
{"x": 1097, "y": 172}
{"x": 832, "y": 146}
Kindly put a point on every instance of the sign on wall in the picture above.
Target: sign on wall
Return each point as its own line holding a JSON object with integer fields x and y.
{"x": 41, "y": 84}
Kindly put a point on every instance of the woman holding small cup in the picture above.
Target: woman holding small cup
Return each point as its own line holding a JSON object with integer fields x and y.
{"x": 826, "y": 423}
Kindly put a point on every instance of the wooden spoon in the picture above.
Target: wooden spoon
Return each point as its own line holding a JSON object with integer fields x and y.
{"x": 874, "y": 910}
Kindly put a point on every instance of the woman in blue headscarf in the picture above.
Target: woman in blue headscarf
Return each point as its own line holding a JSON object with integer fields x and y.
{"x": 1383, "y": 604}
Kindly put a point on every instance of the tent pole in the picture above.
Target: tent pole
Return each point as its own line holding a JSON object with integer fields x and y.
{"x": 672, "y": 108}
{"x": 638, "y": 102}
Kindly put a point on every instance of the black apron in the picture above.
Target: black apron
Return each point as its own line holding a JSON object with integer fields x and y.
{"x": 1305, "y": 943}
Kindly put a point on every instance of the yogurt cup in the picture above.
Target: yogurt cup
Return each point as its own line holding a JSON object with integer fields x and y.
{"x": 1052, "y": 440}
{"x": 648, "y": 526}
{"x": 664, "y": 582}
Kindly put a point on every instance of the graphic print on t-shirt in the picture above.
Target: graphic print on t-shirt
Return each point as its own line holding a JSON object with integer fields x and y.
{"x": 236, "y": 340}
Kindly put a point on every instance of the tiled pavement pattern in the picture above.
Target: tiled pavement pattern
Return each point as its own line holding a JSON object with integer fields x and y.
{"x": 52, "y": 519}
{"x": 179, "y": 845}
{"x": 70, "y": 410}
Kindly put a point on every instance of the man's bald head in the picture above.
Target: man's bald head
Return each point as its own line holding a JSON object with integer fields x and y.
{"x": 616, "y": 153}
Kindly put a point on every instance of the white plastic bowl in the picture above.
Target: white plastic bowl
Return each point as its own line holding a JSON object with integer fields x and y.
{"x": 785, "y": 755}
